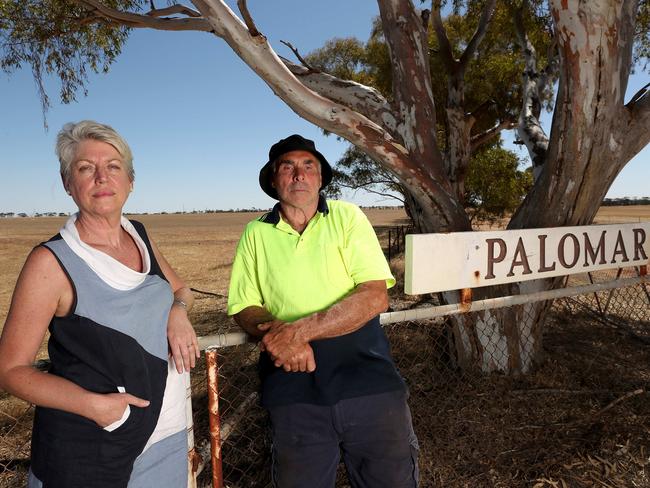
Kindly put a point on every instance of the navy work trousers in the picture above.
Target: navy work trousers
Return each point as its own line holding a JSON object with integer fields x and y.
{"x": 373, "y": 433}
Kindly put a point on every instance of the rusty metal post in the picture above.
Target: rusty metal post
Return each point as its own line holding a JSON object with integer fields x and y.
{"x": 193, "y": 459}
{"x": 213, "y": 413}
{"x": 643, "y": 271}
{"x": 465, "y": 299}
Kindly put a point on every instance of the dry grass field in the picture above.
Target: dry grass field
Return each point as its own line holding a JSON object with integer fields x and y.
{"x": 622, "y": 214}
{"x": 492, "y": 432}
{"x": 200, "y": 247}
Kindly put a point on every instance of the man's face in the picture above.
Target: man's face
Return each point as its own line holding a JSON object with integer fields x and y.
{"x": 297, "y": 178}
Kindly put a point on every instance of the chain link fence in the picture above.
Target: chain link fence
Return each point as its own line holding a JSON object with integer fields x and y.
{"x": 478, "y": 429}
{"x": 15, "y": 431}
{"x": 582, "y": 414}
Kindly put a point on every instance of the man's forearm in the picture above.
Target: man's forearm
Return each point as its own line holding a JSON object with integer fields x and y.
{"x": 288, "y": 343}
{"x": 286, "y": 353}
{"x": 349, "y": 314}
{"x": 249, "y": 318}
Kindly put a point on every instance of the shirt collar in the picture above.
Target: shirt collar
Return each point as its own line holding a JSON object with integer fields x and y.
{"x": 273, "y": 217}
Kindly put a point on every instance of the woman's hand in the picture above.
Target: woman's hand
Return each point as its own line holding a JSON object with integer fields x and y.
{"x": 108, "y": 408}
{"x": 183, "y": 343}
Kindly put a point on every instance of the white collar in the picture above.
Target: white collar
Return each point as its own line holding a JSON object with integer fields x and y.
{"x": 110, "y": 270}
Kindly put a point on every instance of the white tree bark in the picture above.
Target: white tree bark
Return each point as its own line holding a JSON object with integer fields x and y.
{"x": 529, "y": 128}
{"x": 358, "y": 97}
{"x": 591, "y": 125}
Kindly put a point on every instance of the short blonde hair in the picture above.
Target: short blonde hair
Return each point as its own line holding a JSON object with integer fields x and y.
{"x": 73, "y": 133}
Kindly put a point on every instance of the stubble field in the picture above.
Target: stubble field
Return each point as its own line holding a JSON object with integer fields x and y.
{"x": 200, "y": 247}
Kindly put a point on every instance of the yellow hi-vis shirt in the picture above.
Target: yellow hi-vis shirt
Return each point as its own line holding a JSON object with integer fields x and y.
{"x": 294, "y": 275}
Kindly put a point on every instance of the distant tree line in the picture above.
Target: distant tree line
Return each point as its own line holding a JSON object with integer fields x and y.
{"x": 608, "y": 202}
{"x": 206, "y": 211}
{"x": 37, "y": 214}
{"x": 614, "y": 202}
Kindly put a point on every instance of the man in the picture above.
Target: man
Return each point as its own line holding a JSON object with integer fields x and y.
{"x": 309, "y": 279}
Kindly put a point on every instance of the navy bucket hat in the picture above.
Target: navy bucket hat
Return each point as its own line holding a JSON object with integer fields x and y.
{"x": 294, "y": 142}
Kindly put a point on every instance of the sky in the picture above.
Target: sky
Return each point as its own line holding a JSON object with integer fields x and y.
{"x": 198, "y": 120}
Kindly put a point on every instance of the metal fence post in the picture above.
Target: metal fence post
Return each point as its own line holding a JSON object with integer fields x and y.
{"x": 193, "y": 459}
{"x": 213, "y": 413}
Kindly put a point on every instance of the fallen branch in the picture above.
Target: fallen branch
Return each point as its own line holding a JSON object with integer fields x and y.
{"x": 561, "y": 391}
{"x": 610, "y": 405}
{"x": 209, "y": 293}
{"x": 228, "y": 425}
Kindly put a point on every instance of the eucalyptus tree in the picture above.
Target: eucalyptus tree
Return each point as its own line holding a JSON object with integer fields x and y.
{"x": 594, "y": 132}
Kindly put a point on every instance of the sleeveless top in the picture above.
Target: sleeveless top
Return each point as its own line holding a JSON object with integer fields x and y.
{"x": 112, "y": 340}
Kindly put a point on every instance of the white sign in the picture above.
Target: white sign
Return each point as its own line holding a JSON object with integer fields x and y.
{"x": 439, "y": 262}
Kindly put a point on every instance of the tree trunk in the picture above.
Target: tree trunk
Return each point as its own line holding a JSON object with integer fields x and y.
{"x": 507, "y": 340}
{"x": 585, "y": 153}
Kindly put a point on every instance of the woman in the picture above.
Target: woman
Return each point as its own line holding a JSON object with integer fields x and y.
{"x": 109, "y": 413}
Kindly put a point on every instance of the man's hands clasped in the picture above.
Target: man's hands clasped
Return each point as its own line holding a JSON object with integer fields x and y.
{"x": 286, "y": 346}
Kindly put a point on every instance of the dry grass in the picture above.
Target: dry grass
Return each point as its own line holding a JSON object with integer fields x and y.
{"x": 623, "y": 214}
{"x": 200, "y": 247}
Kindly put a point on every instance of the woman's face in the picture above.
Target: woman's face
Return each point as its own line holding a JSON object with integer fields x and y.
{"x": 99, "y": 181}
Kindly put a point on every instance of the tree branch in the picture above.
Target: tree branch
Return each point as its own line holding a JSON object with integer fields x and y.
{"x": 296, "y": 53}
{"x": 358, "y": 97}
{"x": 593, "y": 134}
{"x": 530, "y": 129}
{"x": 479, "y": 139}
{"x": 548, "y": 73}
{"x": 479, "y": 34}
{"x": 643, "y": 92}
{"x": 248, "y": 18}
{"x": 133, "y": 20}
{"x": 387, "y": 182}
{"x": 173, "y": 10}
{"x": 425, "y": 16}
{"x": 445, "y": 50}
{"x": 460, "y": 65}
{"x": 459, "y": 124}
{"x": 481, "y": 109}
{"x": 636, "y": 134}
{"x": 408, "y": 44}
{"x": 620, "y": 399}
{"x": 367, "y": 187}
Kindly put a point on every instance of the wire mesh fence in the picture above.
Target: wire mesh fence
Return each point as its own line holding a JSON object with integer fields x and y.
{"x": 15, "y": 430}
{"x": 471, "y": 424}
{"x": 396, "y": 240}
{"x": 475, "y": 428}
